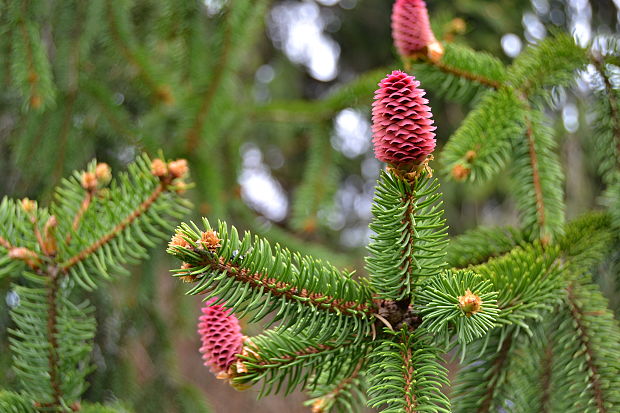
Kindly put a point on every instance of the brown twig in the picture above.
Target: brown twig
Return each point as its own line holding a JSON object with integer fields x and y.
{"x": 538, "y": 192}
{"x": 546, "y": 374}
{"x": 461, "y": 73}
{"x": 282, "y": 289}
{"x": 52, "y": 332}
{"x": 586, "y": 342}
{"x": 65, "y": 266}
{"x": 6, "y": 244}
{"x": 410, "y": 400}
{"x": 192, "y": 137}
{"x": 76, "y": 220}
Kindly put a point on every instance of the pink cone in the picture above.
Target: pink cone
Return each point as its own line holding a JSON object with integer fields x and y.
{"x": 221, "y": 336}
{"x": 402, "y": 127}
{"x": 411, "y": 29}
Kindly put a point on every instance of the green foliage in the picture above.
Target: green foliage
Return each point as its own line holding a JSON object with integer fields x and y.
{"x": 252, "y": 276}
{"x": 286, "y": 358}
{"x": 483, "y": 142}
{"x": 534, "y": 70}
{"x": 11, "y": 402}
{"x": 444, "y": 78}
{"x": 89, "y": 230}
{"x": 405, "y": 374}
{"x": 319, "y": 184}
{"x": 51, "y": 342}
{"x": 572, "y": 363}
{"x": 14, "y": 228}
{"x": 343, "y": 393}
{"x": 537, "y": 172}
{"x": 482, "y": 243}
{"x": 410, "y": 235}
{"x": 482, "y": 385}
{"x": 528, "y": 281}
{"x": 135, "y": 192}
{"x": 441, "y": 313}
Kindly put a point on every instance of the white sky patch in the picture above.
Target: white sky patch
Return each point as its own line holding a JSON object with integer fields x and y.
{"x": 352, "y": 134}
{"x": 534, "y": 29}
{"x": 258, "y": 187}
{"x": 214, "y": 6}
{"x": 511, "y": 43}
{"x": 570, "y": 117}
{"x": 298, "y": 29}
{"x": 580, "y": 24}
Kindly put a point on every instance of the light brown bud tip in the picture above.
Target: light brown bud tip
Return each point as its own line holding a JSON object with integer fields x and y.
{"x": 470, "y": 303}
{"x": 24, "y": 254}
{"x": 210, "y": 240}
{"x": 460, "y": 172}
{"x": 28, "y": 205}
{"x": 470, "y": 155}
{"x": 158, "y": 167}
{"x": 435, "y": 51}
{"x": 89, "y": 181}
{"x": 178, "y": 168}
{"x": 103, "y": 172}
{"x": 178, "y": 240}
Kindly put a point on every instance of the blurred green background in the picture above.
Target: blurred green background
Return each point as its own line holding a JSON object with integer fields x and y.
{"x": 269, "y": 101}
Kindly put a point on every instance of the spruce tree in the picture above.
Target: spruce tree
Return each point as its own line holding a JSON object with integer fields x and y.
{"x": 518, "y": 305}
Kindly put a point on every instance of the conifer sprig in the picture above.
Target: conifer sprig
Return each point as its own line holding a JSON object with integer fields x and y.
{"x": 90, "y": 228}
{"x": 251, "y": 276}
{"x": 461, "y": 302}
{"x": 405, "y": 374}
{"x": 286, "y": 360}
{"x": 410, "y": 235}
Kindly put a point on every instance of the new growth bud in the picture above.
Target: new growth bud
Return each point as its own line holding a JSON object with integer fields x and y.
{"x": 89, "y": 181}
{"x": 103, "y": 172}
{"x": 178, "y": 168}
{"x": 178, "y": 240}
{"x": 28, "y": 205}
{"x": 402, "y": 124}
{"x": 470, "y": 303}
{"x": 158, "y": 167}
{"x": 209, "y": 240}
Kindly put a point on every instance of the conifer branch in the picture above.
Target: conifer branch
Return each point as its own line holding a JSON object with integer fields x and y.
{"x": 610, "y": 94}
{"x": 586, "y": 342}
{"x": 546, "y": 377}
{"x": 161, "y": 92}
{"x": 458, "y": 72}
{"x": 192, "y": 137}
{"x": 64, "y": 134}
{"x": 344, "y": 383}
{"x": 497, "y": 369}
{"x": 139, "y": 211}
{"x": 538, "y": 193}
{"x": 277, "y": 288}
{"x": 33, "y": 76}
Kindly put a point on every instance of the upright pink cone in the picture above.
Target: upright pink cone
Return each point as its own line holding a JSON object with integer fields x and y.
{"x": 221, "y": 336}
{"x": 402, "y": 127}
{"x": 411, "y": 29}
